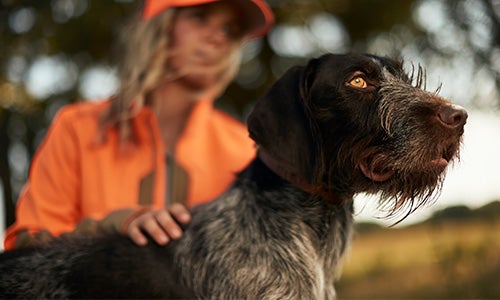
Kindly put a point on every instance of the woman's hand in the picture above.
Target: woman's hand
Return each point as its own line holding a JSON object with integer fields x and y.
{"x": 162, "y": 225}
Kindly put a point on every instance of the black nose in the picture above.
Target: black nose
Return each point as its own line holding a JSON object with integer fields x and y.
{"x": 452, "y": 115}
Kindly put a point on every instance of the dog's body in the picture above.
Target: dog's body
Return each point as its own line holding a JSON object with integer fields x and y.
{"x": 343, "y": 124}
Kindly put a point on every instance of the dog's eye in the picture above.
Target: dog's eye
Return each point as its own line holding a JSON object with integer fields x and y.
{"x": 358, "y": 82}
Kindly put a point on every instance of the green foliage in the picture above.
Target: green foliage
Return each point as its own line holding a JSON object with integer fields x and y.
{"x": 452, "y": 213}
{"x": 366, "y": 227}
{"x": 489, "y": 211}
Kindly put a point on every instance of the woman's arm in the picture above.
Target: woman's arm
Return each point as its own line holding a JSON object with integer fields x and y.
{"x": 49, "y": 202}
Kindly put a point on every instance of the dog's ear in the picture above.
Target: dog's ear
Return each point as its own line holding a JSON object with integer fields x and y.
{"x": 307, "y": 78}
{"x": 279, "y": 123}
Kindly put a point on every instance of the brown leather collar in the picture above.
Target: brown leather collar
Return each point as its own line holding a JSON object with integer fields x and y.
{"x": 295, "y": 179}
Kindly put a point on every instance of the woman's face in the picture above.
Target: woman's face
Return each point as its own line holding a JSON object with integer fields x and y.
{"x": 202, "y": 38}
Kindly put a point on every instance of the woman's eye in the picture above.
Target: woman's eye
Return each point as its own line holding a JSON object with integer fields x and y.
{"x": 233, "y": 31}
{"x": 197, "y": 14}
{"x": 358, "y": 82}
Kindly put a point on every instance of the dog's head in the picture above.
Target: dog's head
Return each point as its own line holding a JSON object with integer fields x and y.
{"x": 358, "y": 123}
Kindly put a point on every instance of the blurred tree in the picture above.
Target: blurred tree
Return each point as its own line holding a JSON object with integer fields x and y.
{"x": 59, "y": 39}
{"x": 52, "y": 51}
{"x": 457, "y": 213}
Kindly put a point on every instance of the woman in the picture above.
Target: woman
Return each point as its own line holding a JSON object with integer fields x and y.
{"x": 119, "y": 164}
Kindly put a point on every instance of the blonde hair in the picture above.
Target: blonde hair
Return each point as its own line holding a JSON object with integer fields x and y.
{"x": 142, "y": 66}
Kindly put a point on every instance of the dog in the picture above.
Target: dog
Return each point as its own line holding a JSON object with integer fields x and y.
{"x": 340, "y": 125}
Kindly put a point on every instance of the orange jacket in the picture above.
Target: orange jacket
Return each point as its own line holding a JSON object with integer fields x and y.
{"x": 72, "y": 177}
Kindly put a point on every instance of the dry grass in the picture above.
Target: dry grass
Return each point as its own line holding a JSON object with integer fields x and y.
{"x": 446, "y": 260}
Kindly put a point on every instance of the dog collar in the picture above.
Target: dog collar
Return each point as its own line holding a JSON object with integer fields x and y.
{"x": 295, "y": 179}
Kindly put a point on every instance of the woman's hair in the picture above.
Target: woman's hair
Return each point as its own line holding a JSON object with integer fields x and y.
{"x": 142, "y": 65}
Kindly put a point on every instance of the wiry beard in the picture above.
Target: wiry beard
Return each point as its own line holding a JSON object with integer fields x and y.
{"x": 420, "y": 152}
{"x": 410, "y": 147}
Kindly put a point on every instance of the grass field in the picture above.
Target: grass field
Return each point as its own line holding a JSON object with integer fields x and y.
{"x": 445, "y": 260}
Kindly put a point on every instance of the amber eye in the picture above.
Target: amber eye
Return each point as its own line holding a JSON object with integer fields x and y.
{"x": 358, "y": 82}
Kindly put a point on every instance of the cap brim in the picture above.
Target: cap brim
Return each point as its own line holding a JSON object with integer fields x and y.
{"x": 258, "y": 15}
{"x": 258, "y": 18}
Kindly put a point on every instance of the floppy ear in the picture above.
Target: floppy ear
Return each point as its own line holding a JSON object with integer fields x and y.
{"x": 279, "y": 123}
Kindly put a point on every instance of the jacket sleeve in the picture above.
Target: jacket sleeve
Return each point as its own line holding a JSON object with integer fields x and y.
{"x": 49, "y": 200}
{"x": 50, "y": 203}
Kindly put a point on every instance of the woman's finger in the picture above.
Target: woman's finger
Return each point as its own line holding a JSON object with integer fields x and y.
{"x": 149, "y": 224}
{"x": 180, "y": 213}
{"x": 168, "y": 224}
{"x": 136, "y": 235}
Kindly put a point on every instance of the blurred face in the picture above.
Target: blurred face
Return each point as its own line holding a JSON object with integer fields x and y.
{"x": 202, "y": 39}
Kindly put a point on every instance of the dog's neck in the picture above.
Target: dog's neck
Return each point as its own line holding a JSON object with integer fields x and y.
{"x": 295, "y": 179}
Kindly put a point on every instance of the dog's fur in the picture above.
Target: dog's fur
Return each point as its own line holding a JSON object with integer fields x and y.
{"x": 280, "y": 231}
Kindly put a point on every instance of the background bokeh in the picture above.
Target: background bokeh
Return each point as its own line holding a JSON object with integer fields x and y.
{"x": 55, "y": 52}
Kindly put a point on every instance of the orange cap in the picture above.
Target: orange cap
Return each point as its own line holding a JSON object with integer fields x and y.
{"x": 259, "y": 17}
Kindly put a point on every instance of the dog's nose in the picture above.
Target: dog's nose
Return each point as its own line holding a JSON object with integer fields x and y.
{"x": 452, "y": 115}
